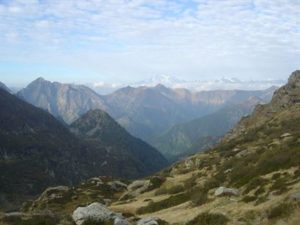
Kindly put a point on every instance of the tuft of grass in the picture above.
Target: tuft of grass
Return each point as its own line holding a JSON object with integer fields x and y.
{"x": 209, "y": 219}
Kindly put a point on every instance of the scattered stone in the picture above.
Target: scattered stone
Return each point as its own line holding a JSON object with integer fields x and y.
{"x": 221, "y": 191}
{"x": 189, "y": 164}
{"x": 242, "y": 153}
{"x": 295, "y": 196}
{"x": 121, "y": 221}
{"x": 228, "y": 171}
{"x": 117, "y": 185}
{"x": 236, "y": 150}
{"x": 148, "y": 221}
{"x": 285, "y": 135}
{"x": 136, "y": 188}
{"x": 95, "y": 211}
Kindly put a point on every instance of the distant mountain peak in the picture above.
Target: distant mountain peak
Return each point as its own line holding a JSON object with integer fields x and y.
{"x": 39, "y": 79}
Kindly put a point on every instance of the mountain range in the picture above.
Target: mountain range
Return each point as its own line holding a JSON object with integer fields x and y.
{"x": 252, "y": 176}
{"x": 37, "y": 150}
{"x": 143, "y": 111}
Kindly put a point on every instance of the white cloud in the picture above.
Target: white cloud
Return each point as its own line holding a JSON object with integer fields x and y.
{"x": 144, "y": 37}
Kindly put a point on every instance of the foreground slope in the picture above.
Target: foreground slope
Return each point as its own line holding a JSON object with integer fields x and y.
{"x": 251, "y": 177}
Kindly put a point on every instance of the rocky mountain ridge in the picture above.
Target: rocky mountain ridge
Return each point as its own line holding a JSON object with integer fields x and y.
{"x": 143, "y": 111}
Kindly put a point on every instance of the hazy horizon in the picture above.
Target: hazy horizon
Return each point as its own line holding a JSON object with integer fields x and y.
{"x": 129, "y": 41}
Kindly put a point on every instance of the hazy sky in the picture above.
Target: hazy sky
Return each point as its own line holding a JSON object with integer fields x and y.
{"x": 128, "y": 40}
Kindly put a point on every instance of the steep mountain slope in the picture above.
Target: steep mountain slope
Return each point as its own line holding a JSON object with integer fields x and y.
{"x": 65, "y": 101}
{"x": 4, "y": 87}
{"x": 251, "y": 177}
{"x": 203, "y": 132}
{"x": 133, "y": 156}
{"x": 37, "y": 151}
{"x": 143, "y": 111}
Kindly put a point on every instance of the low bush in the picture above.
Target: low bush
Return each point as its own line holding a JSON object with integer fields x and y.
{"x": 281, "y": 211}
{"x": 199, "y": 197}
{"x": 166, "y": 203}
{"x": 172, "y": 190}
{"x": 248, "y": 199}
{"x": 209, "y": 219}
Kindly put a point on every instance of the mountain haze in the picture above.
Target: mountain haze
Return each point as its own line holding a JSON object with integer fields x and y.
{"x": 143, "y": 111}
{"x": 204, "y": 132}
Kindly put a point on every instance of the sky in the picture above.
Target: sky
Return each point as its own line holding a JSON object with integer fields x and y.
{"x": 83, "y": 41}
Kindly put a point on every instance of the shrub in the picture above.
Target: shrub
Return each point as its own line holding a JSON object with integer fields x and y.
{"x": 253, "y": 184}
{"x": 209, "y": 219}
{"x": 156, "y": 182}
{"x": 281, "y": 211}
{"x": 199, "y": 197}
{"x": 172, "y": 190}
{"x": 248, "y": 199}
{"x": 166, "y": 203}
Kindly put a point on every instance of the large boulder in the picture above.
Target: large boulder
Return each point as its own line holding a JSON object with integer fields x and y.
{"x": 222, "y": 191}
{"x": 95, "y": 211}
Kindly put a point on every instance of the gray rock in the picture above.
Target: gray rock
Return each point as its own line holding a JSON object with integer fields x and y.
{"x": 121, "y": 221}
{"x": 117, "y": 185}
{"x": 221, "y": 191}
{"x": 95, "y": 211}
{"x": 242, "y": 153}
{"x": 148, "y": 221}
{"x": 136, "y": 188}
{"x": 295, "y": 196}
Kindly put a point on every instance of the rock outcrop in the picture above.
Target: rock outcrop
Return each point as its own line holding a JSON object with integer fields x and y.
{"x": 95, "y": 211}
